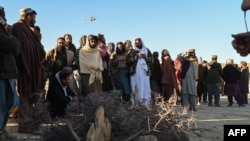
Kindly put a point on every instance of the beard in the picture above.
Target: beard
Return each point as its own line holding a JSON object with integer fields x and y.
{"x": 139, "y": 46}
{"x": 32, "y": 23}
{"x": 192, "y": 56}
{"x": 92, "y": 46}
{"x": 120, "y": 51}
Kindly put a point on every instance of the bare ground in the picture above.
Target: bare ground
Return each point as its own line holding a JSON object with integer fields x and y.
{"x": 211, "y": 120}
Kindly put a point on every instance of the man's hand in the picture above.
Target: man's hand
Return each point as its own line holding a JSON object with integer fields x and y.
{"x": 141, "y": 55}
{"x": 76, "y": 99}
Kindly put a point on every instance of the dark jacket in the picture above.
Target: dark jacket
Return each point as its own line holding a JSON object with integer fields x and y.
{"x": 202, "y": 73}
{"x": 156, "y": 71}
{"x": 9, "y": 48}
{"x": 244, "y": 81}
{"x": 231, "y": 74}
{"x": 186, "y": 62}
{"x": 57, "y": 97}
{"x": 132, "y": 60}
{"x": 214, "y": 72}
{"x": 56, "y": 60}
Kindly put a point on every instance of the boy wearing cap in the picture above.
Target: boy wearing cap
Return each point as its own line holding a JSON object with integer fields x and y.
{"x": 30, "y": 64}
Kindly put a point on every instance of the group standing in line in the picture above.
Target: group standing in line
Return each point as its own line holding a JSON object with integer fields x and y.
{"x": 129, "y": 66}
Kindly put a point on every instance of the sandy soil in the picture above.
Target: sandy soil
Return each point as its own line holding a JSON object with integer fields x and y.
{"x": 211, "y": 120}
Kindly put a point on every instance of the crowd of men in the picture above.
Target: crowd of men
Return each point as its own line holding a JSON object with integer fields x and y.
{"x": 66, "y": 73}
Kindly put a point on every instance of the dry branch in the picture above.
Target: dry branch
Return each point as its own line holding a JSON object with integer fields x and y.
{"x": 73, "y": 134}
{"x": 135, "y": 135}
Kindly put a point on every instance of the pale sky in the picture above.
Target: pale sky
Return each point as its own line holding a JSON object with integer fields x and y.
{"x": 176, "y": 25}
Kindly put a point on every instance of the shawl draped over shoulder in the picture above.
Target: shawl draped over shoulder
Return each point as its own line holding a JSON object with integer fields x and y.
{"x": 90, "y": 62}
{"x": 31, "y": 59}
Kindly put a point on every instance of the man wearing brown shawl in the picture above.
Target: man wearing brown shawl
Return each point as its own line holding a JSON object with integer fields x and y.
{"x": 30, "y": 65}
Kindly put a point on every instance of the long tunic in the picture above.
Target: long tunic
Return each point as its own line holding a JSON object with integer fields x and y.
{"x": 140, "y": 79}
{"x": 168, "y": 80}
{"x": 189, "y": 82}
{"x": 189, "y": 75}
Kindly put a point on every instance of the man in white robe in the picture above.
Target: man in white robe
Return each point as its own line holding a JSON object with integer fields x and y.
{"x": 139, "y": 62}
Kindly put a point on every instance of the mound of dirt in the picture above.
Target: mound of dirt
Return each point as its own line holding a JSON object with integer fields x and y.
{"x": 163, "y": 120}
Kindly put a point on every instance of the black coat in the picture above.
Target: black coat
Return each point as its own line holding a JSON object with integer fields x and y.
{"x": 244, "y": 81}
{"x": 231, "y": 74}
{"x": 9, "y": 47}
{"x": 57, "y": 97}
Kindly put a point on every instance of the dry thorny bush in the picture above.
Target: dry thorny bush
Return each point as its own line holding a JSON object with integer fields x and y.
{"x": 164, "y": 120}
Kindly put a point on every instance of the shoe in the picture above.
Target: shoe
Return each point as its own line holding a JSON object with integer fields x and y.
{"x": 198, "y": 103}
{"x": 141, "y": 103}
{"x": 242, "y": 105}
{"x": 210, "y": 104}
{"x": 130, "y": 104}
{"x": 4, "y": 136}
{"x": 184, "y": 112}
{"x": 149, "y": 108}
{"x": 217, "y": 105}
{"x": 192, "y": 109}
{"x": 230, "y": 105}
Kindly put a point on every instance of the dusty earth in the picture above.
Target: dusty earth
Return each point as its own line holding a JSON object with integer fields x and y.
{"x": 211, "y": 120}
